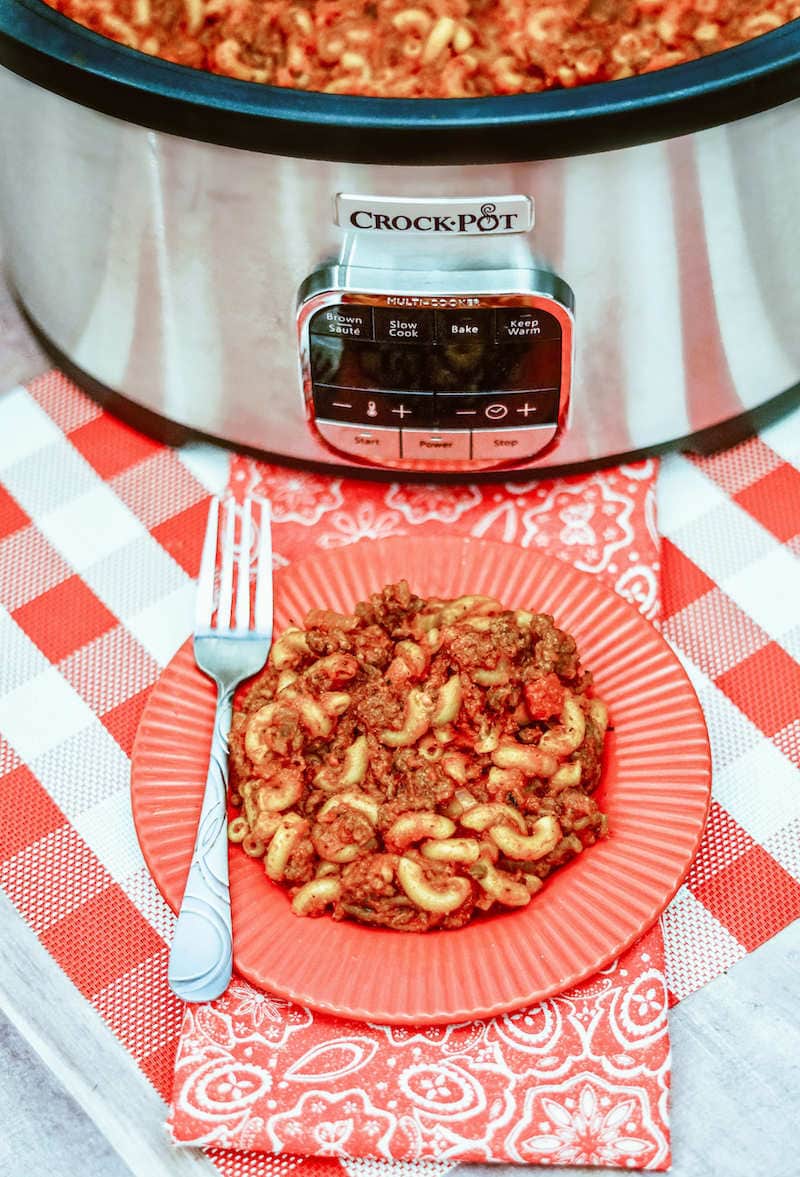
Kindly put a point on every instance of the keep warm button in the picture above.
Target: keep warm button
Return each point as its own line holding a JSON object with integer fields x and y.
{"x": 431, "y": 445}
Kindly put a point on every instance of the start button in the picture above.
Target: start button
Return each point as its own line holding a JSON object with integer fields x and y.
{"x": 371, "y": 445}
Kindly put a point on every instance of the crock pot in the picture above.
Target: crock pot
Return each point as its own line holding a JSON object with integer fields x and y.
{"x": 535, "y": 281}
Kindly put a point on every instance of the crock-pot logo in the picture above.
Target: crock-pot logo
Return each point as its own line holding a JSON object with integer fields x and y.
{"x": 488, "y": 220}
{"x": 457, "y": 215}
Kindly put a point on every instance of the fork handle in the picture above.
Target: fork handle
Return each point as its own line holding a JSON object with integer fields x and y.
{"x": 201, "y": 958}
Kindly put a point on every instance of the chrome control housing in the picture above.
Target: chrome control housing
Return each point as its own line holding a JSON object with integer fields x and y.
{"x": 451, "y": 371}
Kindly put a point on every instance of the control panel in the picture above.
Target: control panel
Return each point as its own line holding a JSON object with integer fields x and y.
{"x": 437, "y": 382}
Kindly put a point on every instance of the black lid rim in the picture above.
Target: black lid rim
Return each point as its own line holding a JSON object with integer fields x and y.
{"x": 54, "y": 52}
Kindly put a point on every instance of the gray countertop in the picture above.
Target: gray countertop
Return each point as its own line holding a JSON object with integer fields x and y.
{"x": 73, "y": 1102}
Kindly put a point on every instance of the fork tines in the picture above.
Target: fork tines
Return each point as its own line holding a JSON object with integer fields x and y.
{"x": 226, "y": 567}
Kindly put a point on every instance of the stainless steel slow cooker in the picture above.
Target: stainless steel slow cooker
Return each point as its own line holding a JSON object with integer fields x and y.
{"x": 534, "y": 281}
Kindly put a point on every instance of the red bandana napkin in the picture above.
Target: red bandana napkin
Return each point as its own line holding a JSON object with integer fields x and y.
{"x": 581, "y": 1079}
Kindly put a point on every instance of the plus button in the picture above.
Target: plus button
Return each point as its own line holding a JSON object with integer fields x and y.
{"x": 402, "y": 411}
{"x": 527, "y": 410}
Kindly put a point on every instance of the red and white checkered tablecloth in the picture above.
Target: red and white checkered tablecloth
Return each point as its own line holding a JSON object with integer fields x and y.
{"x": 100, "y": 533}
{"x": 731, "y": 608}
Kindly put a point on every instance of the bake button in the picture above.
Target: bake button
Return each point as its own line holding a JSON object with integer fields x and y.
{"x": 400, "y": 326}
{"x": 507, "y": 445}
{"x": 371, "y": 445}
{"x": 458, "y": 326}
{"x": 345, "y": 322}
{"x": 430, "y": 445}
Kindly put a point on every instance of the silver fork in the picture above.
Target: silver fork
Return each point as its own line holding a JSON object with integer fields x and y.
{"x": 201, "y": 957}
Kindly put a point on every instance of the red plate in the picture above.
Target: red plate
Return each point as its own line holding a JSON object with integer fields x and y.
{"x": 655, "y": 790}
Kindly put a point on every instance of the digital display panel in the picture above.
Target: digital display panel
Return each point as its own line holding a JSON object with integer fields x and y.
{"x": 422, "y": 350}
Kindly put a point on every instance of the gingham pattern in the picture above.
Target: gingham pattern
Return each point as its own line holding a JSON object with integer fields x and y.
{"x": 84, "y": 636}
{"x": 100, "y": 536}
{"x": 100, "y": 531}
{"x": 731, "y": 609}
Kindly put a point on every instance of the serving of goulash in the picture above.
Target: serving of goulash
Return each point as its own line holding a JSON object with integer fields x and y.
{"x": 417, "y": 762}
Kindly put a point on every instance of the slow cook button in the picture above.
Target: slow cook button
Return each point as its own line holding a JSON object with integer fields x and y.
{"x": 431, "y": 445}
{"x": 345, "y": 322}
{"x": 506, "y": 445}
{"x": 400, "y": 326}
{"x": 371, "y": 445}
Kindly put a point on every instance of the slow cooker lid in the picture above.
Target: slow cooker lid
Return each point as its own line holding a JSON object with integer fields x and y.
{"x": 42, "y": 45}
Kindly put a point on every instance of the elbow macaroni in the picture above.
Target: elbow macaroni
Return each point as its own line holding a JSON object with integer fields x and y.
{"x": 413, "y": 827}
{"x": 448, "y": 702}
{"x": 353, "y": 769}
{"x": 386, "y": 766}
{"x": 417, "y": 720}
{"x": 439, "y": 898}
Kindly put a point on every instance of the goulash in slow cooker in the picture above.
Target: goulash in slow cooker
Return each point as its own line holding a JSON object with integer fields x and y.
{"x": 429, "y": 48}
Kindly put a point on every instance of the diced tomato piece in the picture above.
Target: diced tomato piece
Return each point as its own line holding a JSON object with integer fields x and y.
{"x": 544, "y": 696}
